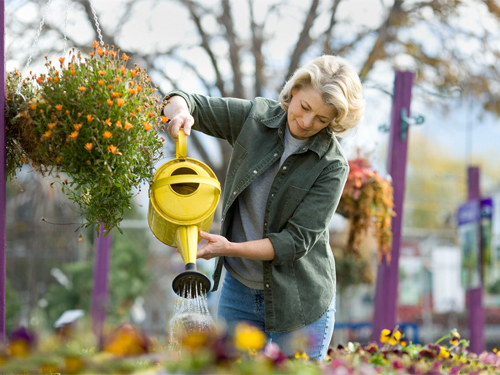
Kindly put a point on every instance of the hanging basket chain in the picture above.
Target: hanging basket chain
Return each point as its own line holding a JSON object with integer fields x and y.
{"x": 32, "y": 51}
{"x": 65, "y": 27}
{"x": 96, "y": 22}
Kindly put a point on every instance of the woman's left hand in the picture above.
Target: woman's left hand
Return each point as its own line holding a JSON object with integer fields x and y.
{"x": 217, "y": 246}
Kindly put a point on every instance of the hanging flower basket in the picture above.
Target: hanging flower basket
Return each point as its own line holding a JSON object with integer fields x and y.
{"x": 367, "y": 202}
{"x": 93, "y": 119}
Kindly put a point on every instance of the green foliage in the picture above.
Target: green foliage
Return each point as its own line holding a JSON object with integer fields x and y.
{"x": 97, "y": 121}
{"x": 128, "y": 278}
{"x": 13, "y": 307}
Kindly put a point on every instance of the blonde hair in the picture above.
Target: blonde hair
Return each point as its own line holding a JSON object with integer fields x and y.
{"x": 337, "y": 83}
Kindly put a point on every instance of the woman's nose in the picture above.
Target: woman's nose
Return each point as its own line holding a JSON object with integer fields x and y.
{"x": 308, "y": 121}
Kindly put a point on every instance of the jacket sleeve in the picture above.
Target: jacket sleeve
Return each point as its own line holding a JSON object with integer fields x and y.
{"x": 219, "y": 117}
{"x": 309, "y": 222}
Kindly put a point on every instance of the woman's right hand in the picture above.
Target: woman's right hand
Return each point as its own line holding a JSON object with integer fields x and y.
{"x": 178, "y": 112}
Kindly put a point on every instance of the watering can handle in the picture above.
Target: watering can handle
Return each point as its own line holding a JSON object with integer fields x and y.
{"x": 183, "y": 179}
{"x": 181, "y": 145}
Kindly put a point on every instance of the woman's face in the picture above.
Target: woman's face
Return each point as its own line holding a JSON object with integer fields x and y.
{"x": 307, "y": 114}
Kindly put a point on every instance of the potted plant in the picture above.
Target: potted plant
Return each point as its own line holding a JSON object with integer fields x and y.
{"x": 367, "y": 202}
{"x": 93, "y": 119}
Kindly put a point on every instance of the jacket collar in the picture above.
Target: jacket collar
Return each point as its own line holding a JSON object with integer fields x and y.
{"x": 319, "y": 143}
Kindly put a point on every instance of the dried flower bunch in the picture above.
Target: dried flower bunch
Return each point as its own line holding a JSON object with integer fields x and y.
{"x": 93, "y": 119}
{"x": 367, "y": 201}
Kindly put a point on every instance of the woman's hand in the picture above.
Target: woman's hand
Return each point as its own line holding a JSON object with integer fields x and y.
{"x": 217, "y": 246}
{"x": 178, "y": 112}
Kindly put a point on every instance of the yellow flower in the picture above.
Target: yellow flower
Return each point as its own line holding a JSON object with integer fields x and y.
{"x": 118, "y": 124}
{"x": 81, "y": 88}
{"x": 128, "y": 125}
{"x": 443, "y": 353}
{"x": 385, "y": 335}
{"x": 107, "y": 135}
{"x": 77, "y": 127}
{"x": 120, "y": 102}
{"x": 147, "y": 126}
{"x": 395, "y": 338}
{"x": 88, "y": 146}
{"x": 455, "y": 337}
{"x": 248, "y": 337}
{"x": 89, "y": 118}
{"x": 73, "y": 135}
{"x": 108, "y": 122}
{"x": 301, "y": 354}
{"x": 59, "y": 107}
{"x": 114, "y": 150}
{"x": 51, "y": 125}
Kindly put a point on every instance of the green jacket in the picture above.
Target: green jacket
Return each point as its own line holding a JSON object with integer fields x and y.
{"x": 299, "y": 283}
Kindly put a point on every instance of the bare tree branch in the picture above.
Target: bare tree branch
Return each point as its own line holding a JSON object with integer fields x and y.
{"x": 205, "y": 44}
{"x": 234, "y": 49}
{"x": 257, "y": 42}
{"x": 328, "y": 31}
{"x": 304, "y": 39}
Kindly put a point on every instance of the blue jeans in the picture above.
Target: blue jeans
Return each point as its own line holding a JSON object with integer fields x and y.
{"x": 239, "y": 303}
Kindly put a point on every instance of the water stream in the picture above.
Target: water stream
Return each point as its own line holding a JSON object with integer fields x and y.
{"x": 190, "y": 315}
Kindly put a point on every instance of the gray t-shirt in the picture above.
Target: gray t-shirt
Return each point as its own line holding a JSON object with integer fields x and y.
{"x": 248, "y": 222}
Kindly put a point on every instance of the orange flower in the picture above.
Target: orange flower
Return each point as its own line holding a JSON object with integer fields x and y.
{"x": 114, "y": 150}
{"x": 133, "y": 72}
{"x": 139, "y": 88}
{"x": 164, "y": 119}
{"x": 78, "y": 114}
{"x": 120, "y": 102}
{"x": 102, "y": 72}
{"x": 61, "y": 60}
{"x": 139, "y": 109}
{"x": 131, "y": 83}
{"x": 77, "y": 127}
{"x": 95, "y": 44}
{"x": 110, "y": 87}
{"x": 47, "y": 134}
{"x": 128, "y": 125}
{"x": 70, "y": 66}
{"x": 72, "y": 71}
{"x": 91, "y": 54}
{"x": 73, "y": 135}
{"x": 112, "y": 54}
{"x": 67, "y": 112}
{"x": 107, "y": 135}
{"x": 81, "y": 88}
{"x": 59, "y": 107}
{"x": 88, "y": 146}
{"x": 151, "y": 114}
{"x": 33, "y": 106}
{"x": 108, "y": 122}
{"x": 100, "y": 82}
{"x": 51, "y": 125}
{"x": 147, "y": 126}
{"x": 118, "y": 79}
{"x": 149, "y": 79}
{"x": 39, "y": 79}
{"x": 100, "y": 51}
{"x": 123, "y": 70}
{"x": 132, "y": 114}
{"x": 132, "y": 91}
{"x": 42, "y": 111}
{"x": 89, "y": 118}
{"x": 56, "y": 79}
{"x": 153, "y": 90}
{"x": 125, "y": 57}
{"x": 58, "y": 159}
{"x": 48, "y": 80}
{"x": 110, "y": 102}
{"x": 118, "y": 124}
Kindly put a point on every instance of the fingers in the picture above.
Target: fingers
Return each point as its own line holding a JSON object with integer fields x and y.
{"x": 184, "y": 121}
{"x": 206, "y": 236}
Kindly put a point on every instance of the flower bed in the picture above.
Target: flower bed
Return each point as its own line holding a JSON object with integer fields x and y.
{"x": 128, "y": 350}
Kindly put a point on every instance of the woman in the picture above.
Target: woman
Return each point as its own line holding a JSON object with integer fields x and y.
{"x": 284, "y": 181}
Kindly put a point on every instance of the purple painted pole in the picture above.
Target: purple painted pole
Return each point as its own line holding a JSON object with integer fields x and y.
{"x": 3, "y": 176}
{"x": 386, "y": 292}
{"x": 99, "y": 300}
{"x": 475, "y": 295}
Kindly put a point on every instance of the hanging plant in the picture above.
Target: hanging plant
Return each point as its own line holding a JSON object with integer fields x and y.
{"x": 92, "y": 118}
{"x": 367, "y": 201}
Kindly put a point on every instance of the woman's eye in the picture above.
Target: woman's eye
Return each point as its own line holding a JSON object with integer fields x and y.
{"x": 304, "y": 108}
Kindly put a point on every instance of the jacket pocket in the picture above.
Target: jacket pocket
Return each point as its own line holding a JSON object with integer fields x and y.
{"x": 294, "y": 197}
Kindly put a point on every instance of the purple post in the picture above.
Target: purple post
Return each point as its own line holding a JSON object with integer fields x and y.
{"x": 475, "y": 295}
{"x": 3, "y": 176}
{"x": 99, "y": 300}
{"x": 386, "y": 292}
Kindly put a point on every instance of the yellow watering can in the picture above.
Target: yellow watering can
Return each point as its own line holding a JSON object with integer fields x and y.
{"x": 182, "y": 200}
